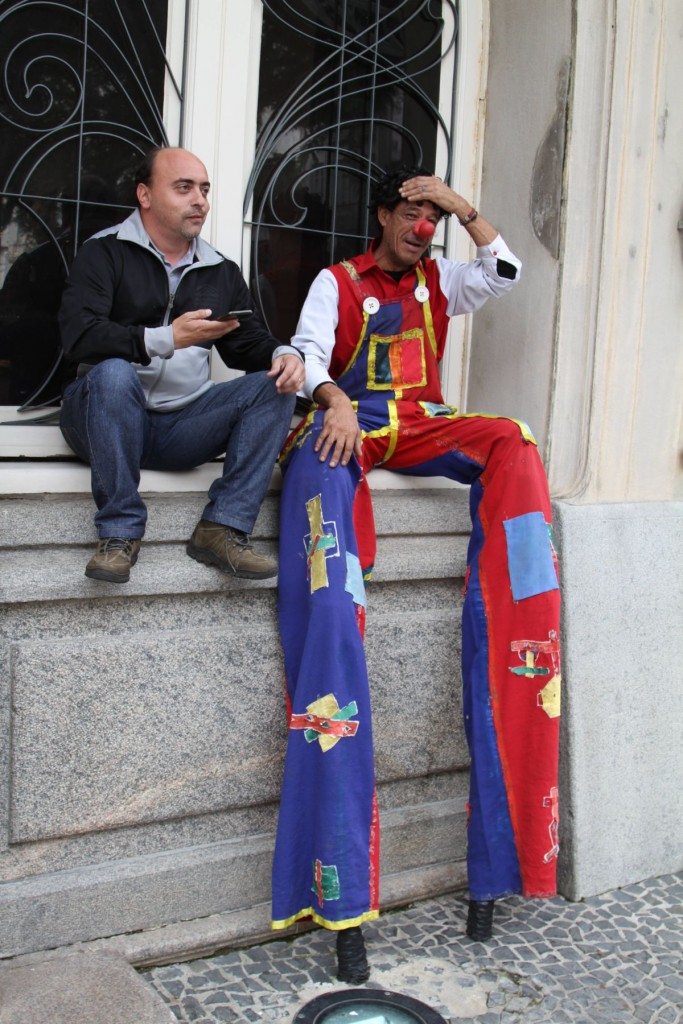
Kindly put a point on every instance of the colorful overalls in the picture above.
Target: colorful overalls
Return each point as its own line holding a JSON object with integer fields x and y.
{"x": 389, "y": 341}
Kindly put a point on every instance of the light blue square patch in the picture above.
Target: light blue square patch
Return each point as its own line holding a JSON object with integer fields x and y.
{"x": 354, "y": 579}
{"x": 530, "y": 556}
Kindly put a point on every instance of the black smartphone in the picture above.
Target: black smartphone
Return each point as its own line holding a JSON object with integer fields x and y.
{"x": 235, "y": 314}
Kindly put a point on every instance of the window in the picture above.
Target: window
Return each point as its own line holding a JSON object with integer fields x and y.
{"x": 329, "y": 92}
{"x": 346, "y": 89}
{"x": 85, "y": 87}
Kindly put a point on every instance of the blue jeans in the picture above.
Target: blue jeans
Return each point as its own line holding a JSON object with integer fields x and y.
{"x": 105, "y": 421}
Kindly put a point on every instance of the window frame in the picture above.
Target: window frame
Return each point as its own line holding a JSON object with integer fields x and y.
{"x": 221, "y": 62}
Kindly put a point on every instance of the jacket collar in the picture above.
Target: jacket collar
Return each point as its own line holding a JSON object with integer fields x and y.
{"x": 132, "y": 230}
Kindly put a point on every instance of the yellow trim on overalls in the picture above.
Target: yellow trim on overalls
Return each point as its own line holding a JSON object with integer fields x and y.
{"x": 390, "y": 429}
{"x": 427, "y": 310}
{"x": 392, "y": 409}
{"x": 300, "y": 436}
{"x": 351, "y": 922}
{"x": 524, "y": 428}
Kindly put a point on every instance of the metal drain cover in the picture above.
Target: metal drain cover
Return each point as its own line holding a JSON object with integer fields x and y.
{"x": 366, "y": 1006}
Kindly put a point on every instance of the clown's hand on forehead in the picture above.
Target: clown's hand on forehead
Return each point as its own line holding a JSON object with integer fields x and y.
{"x": 428, "y": 188}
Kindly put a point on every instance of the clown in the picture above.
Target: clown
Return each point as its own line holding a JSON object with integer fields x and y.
{"x": 373, "y": 330}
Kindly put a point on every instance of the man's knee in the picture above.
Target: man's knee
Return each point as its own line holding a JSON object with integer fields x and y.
{"x": 274, "y": 407}
{"x": 283, "y": 402}
{"x": 114, "y": 372}
{"x": 310, "y": 475}
{"x": 511, "y": 436}
{"x": 508, "y": 430}
{"x": 255, "y": 390}
{"x": 112, "y": 381}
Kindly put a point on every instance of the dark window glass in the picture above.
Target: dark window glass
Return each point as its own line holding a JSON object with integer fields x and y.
{"x": 80, "y": 101}
{"x": 347, "y": 88}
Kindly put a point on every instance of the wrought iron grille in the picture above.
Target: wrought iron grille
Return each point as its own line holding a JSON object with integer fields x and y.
{"x": 347, "y": 88}
{"x": 81, "y": 99}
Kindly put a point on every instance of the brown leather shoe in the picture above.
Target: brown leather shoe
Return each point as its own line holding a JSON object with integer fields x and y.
{"x": 113, "y": 560}
{"x": 230, "y": 550}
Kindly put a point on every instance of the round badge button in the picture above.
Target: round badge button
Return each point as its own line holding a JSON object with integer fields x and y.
{"x": 370, "y": 305}
{"x": 422, "y": 293}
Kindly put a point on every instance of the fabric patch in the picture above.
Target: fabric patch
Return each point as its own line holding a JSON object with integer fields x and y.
{"x": 325, "y": 721}
{"x": 530, "y": 557}
{"x": 325, "y": 882}
{"x": 505, "y": 269}
{"x": 550, "y": 697}
{"x": 530, "y": 653}
{"x": 354, "y": 579}
{"x": 397, "y": 361}
{"x": 320, "y": 544}
{"x": 434, "y": 409}
{"x": 552, "y": 801}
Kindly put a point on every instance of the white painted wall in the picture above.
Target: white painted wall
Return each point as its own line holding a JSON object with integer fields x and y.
{"x": 635, "y": 438}
{"x": 589, "y": 347}
{"x": 512, "y": 354}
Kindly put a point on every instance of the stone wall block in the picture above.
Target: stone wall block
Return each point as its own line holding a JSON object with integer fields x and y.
{"x": 621, "y": 813}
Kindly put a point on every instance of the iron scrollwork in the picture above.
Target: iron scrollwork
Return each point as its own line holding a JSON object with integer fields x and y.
{"x": 81, "y": 100}
{"x": 347, "y": 88}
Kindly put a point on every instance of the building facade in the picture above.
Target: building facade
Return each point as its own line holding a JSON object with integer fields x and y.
{"x": 142, "y": 734}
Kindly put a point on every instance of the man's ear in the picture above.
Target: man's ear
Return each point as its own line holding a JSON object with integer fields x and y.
{"x": 383, "y": 215}
{"x": 142, "y": 192}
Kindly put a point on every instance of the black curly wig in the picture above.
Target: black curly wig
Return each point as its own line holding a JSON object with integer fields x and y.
{"x": 385, "y": 191}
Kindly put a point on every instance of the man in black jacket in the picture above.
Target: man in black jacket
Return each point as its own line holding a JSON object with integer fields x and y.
{"x": 139, "y": 315}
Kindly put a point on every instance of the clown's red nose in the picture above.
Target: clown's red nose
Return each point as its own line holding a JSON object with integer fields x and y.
{"x": 424, "y": 228}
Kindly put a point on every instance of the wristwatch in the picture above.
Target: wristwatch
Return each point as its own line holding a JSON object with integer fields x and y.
{"x": 472, "y": 215}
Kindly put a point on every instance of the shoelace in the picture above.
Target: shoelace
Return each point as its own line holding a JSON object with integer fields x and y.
{"x": 117, "y": 544}
{"x": 240, "y": 538}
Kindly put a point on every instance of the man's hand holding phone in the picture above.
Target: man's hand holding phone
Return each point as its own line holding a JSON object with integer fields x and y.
{"x": 235, "y": 314}
{"x": 199, "y": 327}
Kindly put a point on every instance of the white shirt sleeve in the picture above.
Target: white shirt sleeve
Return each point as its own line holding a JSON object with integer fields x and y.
{"x": 467, "y": 286}
{"x": 315, "y": 332}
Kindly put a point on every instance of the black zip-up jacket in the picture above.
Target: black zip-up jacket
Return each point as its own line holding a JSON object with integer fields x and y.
{"x": 118, "y": 286}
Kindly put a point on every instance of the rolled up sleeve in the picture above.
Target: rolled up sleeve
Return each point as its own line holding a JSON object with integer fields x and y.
{"x": 315, "y": 332}
{"x": 467, "y": 286}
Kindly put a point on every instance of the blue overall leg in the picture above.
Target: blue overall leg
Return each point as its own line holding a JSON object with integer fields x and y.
{"x": 326, "y": 851}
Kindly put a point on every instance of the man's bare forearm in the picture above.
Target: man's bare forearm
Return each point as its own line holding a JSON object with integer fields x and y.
{"x": 340, "y": 436}
{"x": 328, "y": 394}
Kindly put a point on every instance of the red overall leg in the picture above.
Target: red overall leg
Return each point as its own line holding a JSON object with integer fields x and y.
{"x": 511, "y": 667}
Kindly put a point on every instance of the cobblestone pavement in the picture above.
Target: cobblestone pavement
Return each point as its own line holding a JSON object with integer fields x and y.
{"x": 614, "y": 957}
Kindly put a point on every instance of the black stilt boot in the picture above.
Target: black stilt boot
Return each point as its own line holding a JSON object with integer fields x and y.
{"x": 352, "y": 963}
{"x": 480, "y": 920}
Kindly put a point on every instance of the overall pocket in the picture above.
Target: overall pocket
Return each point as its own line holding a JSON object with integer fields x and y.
{"x": 397, "y": 361}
